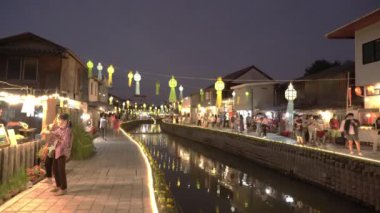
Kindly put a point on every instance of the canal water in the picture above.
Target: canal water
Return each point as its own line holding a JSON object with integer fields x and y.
{"x": 204, "y": 179}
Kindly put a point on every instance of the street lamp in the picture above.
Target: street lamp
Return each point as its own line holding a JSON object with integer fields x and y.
{"x": 90, "y": 65}
{"x": 219, "y": 86}
{"x": 100, "y": 68}
{"x": 137, "y": 78}
{"x": 172, "y": 85}
{"x": 110, "y": 71}
{"x": 290, "y": 95}
{"x": 180, "y": 92}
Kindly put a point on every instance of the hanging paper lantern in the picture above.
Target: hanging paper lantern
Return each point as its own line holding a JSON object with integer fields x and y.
{"x": 137, "y": 78}
{"x": 110, "y": 99}
{"x": 144, "y": 106}
{"x": 358, "y": 91}
{"x": 100, "y": 68}
{"x": 172, "y": 85}
{"x": 110, "y": 71}
{"x": 219, "y": 86}
{"x": 202, "y": 94}
{"x": 130, "y": 78}
{"x": 128, "y": 104}
{"x": 90, "y": 65}
{"x": 157, "y": 88}
{"x": 180, "y": 92}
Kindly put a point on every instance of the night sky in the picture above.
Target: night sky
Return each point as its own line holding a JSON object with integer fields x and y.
{"x": 199, "y": 38}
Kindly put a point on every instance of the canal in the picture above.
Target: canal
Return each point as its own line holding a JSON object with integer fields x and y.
{"x": 204, "y": 179}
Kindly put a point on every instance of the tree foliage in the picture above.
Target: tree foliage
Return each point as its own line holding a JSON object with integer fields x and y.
{"x": 320, "y": 65}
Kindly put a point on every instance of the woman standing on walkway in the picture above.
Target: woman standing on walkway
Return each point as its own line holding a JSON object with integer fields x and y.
{"x": 62, "y": 153}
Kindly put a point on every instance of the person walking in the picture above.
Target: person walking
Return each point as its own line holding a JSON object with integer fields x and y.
{"x": 350, "y": 127}
{"x": 103, "y": 127}
{"x": 334, "y": 128}
{"x": 241, "y": 123}
{"x": 298, "y": 129}
{"x": 116, "y": 125}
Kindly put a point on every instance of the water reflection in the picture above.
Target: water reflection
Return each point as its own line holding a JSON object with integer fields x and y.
{"x": 203, "y": 179}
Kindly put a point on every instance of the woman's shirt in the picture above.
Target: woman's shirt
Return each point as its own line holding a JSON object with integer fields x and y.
{"x": 63, "y": 147}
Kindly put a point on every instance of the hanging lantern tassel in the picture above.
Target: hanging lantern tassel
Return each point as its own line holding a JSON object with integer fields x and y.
{"x": 130, "y": 78}
{"x": 172, "y": 85}
{"x": 219, "y": 86}
{"x": 202, "y": 93}
{"x": 157, "y": 88}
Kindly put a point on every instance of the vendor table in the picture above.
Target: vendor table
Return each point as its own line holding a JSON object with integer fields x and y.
{"x": 28, "y": 133}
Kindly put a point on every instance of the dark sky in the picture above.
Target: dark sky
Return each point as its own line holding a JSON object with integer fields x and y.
{"x": 200, "y": 38}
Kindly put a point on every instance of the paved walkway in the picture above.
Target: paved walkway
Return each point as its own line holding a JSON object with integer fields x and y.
{"x": 366, "y": 150}
{"x": 114, "y": 180}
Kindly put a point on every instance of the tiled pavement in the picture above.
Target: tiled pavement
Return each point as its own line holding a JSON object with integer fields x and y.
{"x": 114, "y": 180}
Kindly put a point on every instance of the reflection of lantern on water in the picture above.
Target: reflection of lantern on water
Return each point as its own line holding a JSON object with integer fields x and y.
{"x": 218, "y": 190}
{"x": 246, "y": 204}
{"x": 178, "y": 183}
{"x": 198, "y": 185}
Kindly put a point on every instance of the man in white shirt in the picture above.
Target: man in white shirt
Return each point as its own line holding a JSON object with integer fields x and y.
{"x": 103, "y": 127}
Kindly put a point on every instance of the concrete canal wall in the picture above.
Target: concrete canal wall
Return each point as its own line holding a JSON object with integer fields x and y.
{"x": 356, "y": 178}
{"x": 130, "y": 125}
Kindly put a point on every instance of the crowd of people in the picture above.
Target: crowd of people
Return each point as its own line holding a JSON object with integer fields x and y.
{"x": 308, "y": 129}
{"x": 236, "y": 121}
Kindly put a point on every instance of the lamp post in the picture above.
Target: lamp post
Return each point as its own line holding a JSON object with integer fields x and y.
{"x": 90, "y": 65}
{"x": 100, "y": 68}
{"x": 219, "y": 86}
{"x": 180, "y": 92}
{"x": 290, "y": 95}
{"x": 110, "y": 71}
{"x": 172, "y": 85}
{"x": 130, "y": 78}
{"x": 137, "y": 78}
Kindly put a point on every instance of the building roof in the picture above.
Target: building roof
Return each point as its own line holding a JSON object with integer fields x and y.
{"x": 348, "y": 31}
{"x": 346, "y": 67}
{"x": 230, "y": 79}
{"x": 58, "y": 49}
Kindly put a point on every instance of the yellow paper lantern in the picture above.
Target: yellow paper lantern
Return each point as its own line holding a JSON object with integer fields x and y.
{"x": 110, "y": 71}
{"x": 172, "y": 85}
{"x": 130, "y": 78}
{"x": 219, "y": 86}
{"x": 90, "y": 65}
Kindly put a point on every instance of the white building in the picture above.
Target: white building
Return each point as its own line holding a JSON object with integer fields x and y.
{"x": 366, "y": 32}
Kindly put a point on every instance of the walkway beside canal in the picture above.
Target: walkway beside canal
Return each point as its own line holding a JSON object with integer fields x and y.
{"x": 366, "y": 150}
{"x": 114, "y": 180}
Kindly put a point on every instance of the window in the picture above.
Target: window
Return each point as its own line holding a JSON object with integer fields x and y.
{"x": 14, "y": 68}
{"x": 371, "y": 51}
{"x": 30, "y": 69}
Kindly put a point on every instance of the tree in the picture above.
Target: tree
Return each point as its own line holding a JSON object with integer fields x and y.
{"x": 320, "y": 65}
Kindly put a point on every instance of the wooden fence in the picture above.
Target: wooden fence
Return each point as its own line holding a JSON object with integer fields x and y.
{"x": 14, "y": 158}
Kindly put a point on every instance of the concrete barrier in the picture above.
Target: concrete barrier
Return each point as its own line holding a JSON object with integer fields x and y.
{"x": 354, "y": 177}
